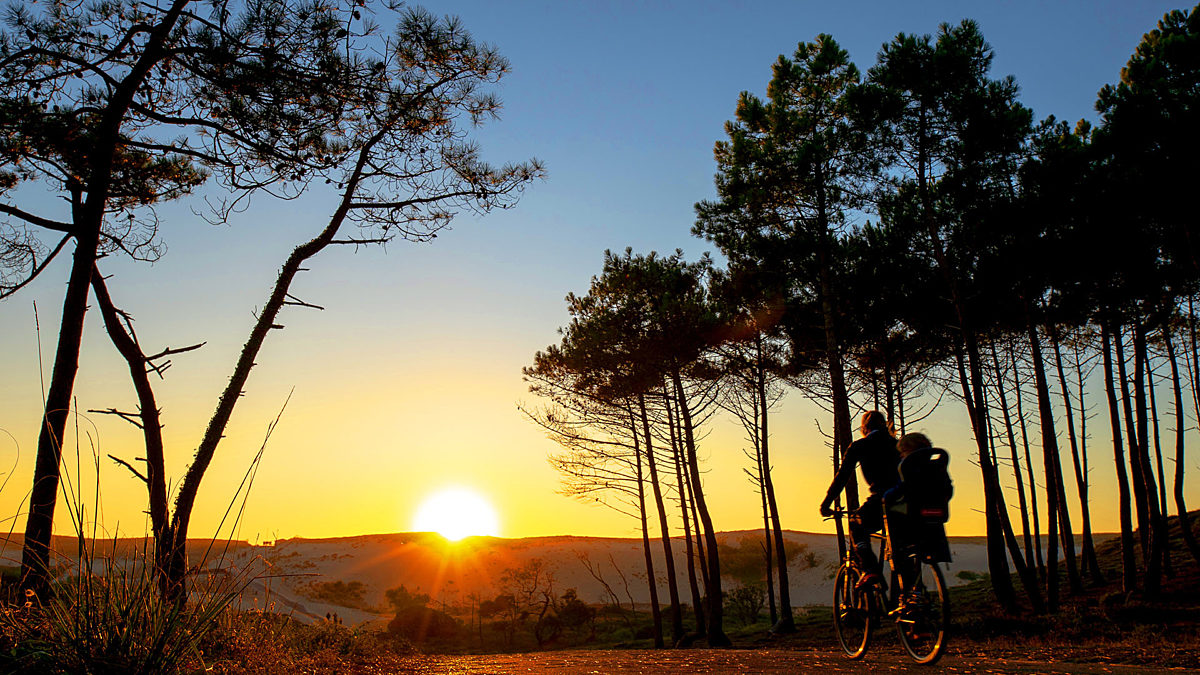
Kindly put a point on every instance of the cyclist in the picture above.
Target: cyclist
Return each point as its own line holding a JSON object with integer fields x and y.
{"x": 876, "y": 454}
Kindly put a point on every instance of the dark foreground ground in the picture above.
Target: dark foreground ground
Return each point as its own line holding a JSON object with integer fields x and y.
{"x": 740, "y": 661}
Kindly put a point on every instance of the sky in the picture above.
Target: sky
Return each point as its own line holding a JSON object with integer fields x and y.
{"x": 409, "y": 381}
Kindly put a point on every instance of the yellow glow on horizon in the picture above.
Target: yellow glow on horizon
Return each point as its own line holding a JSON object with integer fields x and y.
{"x": 456, "y": 513}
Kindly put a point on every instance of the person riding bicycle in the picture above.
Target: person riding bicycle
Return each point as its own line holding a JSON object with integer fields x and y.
{"x": 876, "y": 454}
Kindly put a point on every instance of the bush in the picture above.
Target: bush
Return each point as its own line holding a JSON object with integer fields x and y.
{"x": 264, "y": 643}
{"x": 419, "y": 624}
{"x": 337, "y": 593}
{"x": 746, "y": 602}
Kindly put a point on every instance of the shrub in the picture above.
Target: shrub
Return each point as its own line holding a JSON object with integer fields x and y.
{"x": 746, "y": 602}
{"x": 337, "y": 593}
{"x": 419, "y": 624}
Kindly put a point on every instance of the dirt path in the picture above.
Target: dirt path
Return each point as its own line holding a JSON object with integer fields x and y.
{"x": 737, "y": 661}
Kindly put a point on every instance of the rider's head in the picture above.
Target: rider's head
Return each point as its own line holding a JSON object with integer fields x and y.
{"x": 874, "y": 421}
{"x": 910, "y": 443}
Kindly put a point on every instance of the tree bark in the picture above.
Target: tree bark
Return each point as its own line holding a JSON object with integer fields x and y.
{"x": 1128, "y": 566}
{"x": 1164, "y": 541}
{"x": 1052, "y": 454}
{"x": 43, "y": 497}
{"x": 1033, "y": 503}
{"x": 786, "y": 622}
{"x": 1153, "y": 557}
{"x": 651, "y": 579}
{"x": 1017, "y": 477}
{"x": 1135, "y": 465}
{"x": 88, "y": 218}
{"x": 677, "y": 454}
{"x": 716, "y": 630}
{"x": 151, "y": 424}
{"x": 215, "y": 431}
{"x": 1050, "y": 468}
{"x": 997, "y": 554}
{"x": 1185, "y": 527}
{"x": 660, "y": 506}
{"x": 1081, "y": 475}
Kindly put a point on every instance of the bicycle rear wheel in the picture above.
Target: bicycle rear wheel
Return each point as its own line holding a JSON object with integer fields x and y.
{"x": 924, "y": 616}
{"x": 851, "y": 612}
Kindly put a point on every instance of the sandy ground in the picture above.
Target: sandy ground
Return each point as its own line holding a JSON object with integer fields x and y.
{"x": 451, "y": 573}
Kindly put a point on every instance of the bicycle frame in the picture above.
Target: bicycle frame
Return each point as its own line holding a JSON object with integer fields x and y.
{"x": 920, "y": 612}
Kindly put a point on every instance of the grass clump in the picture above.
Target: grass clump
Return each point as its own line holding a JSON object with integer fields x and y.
{"x": 104, "y": 614}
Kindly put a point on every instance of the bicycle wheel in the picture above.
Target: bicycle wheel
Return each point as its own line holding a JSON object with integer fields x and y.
{"x": 924, "y": 616}
{"x": 851, "y": 612}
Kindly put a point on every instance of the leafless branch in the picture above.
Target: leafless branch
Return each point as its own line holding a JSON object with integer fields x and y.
{"x": 132, "y": 418}
{"x": 297, "y": 302}
{"x": 127, "y": 465}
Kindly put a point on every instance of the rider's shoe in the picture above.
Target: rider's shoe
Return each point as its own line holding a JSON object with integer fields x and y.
{"x": 866, "y": 580}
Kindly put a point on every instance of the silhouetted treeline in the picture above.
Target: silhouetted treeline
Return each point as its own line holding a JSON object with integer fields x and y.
{"x": 895, "y": 238}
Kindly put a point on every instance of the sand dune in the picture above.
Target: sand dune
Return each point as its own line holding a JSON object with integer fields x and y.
{"x": 285, "y": 572}
{"x": 451, "y": 573}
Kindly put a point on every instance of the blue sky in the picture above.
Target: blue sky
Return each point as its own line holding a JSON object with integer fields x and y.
{"x": 409, "y": 380}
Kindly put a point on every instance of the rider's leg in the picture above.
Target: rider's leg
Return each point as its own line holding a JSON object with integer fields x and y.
{"x": 870, "y": 519}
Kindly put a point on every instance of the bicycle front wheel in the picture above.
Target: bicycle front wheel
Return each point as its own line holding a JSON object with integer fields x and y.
{"x": 924, "y": 615}
{"x": 851, "y": 612}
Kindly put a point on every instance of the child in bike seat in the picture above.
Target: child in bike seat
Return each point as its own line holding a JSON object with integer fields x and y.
{"x": 919, "y": 504}
{"x": 876, "y": 454}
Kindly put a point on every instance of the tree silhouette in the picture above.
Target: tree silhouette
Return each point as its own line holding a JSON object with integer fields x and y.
{"x": 119, "y": 106}
{"x": 407, "y": 167}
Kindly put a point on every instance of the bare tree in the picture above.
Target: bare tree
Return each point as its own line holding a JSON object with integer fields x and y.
{"x": 409, "y": 166}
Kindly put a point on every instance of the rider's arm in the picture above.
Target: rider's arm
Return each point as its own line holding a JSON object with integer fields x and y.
{"x": 844, "y": 475}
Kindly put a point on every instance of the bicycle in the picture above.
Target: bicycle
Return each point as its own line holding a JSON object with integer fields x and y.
{"x": 921, "y": 613}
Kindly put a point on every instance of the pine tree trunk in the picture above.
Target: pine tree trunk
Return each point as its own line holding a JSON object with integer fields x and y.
{"x": 87, "y": 220}
{"x": 1073, "y": 572}
{"x": 151, "y": 425}
{"x": 677, "y": 454}
{"x": 43, "y": 497}
{"x": 997, "y": 555}
{"x": 768, "y": 544}
{"x": 840, "y": 398}
{"x": 786, "y": 622}
{"x": 716, "y": 630}
{"x": 1025, "y": 573}
{"x": 1128, "y": 566}
{"x": 660, "y": 506}
{"x": 1018, "y": 479}
{"x": 1033, "y": 503}
{"x": 1164, "y": 546}
{"x": 1185, "y": 527}
{"x": 1135, "y": 465}
{"x": 651, "y": 579}
{"x": 1050, "y": 468}
{"x": 1089, "y": 542}
{"x": 1153, "y": 557}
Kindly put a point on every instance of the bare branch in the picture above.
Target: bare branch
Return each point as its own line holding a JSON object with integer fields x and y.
{"x": 297, "y": 302}
{"x": 129, "y": 466}
{"x": 132, "y": 418}
{"x": 36, "y": 270}
{"x": 175, "y": 350}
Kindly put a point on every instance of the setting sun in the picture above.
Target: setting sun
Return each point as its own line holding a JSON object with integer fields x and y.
{"x": 455, "y": 513}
